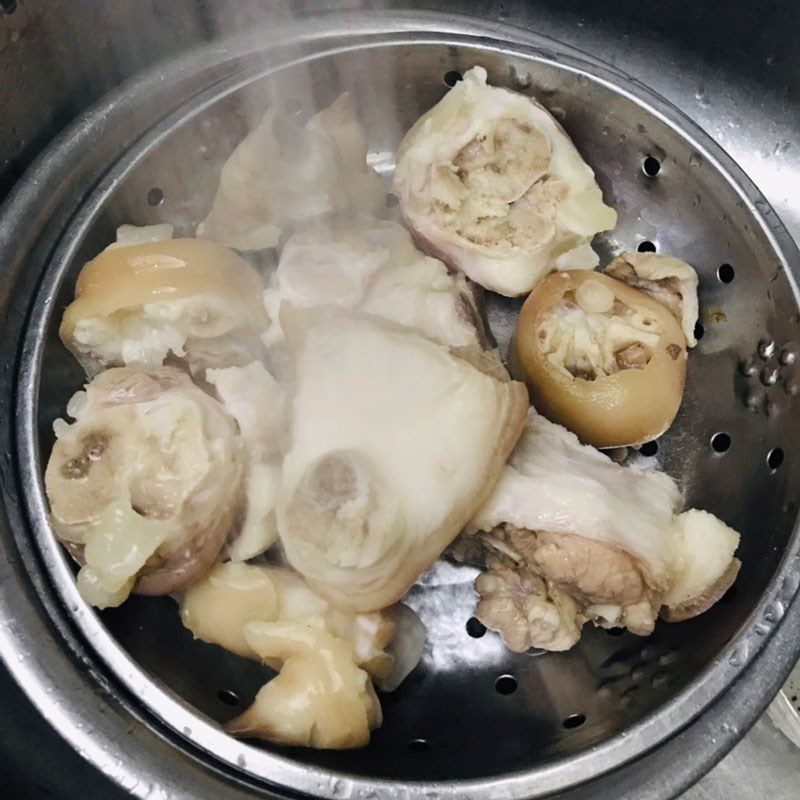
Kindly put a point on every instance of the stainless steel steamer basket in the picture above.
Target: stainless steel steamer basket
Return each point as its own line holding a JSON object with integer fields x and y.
{"x": 132, "y": 691}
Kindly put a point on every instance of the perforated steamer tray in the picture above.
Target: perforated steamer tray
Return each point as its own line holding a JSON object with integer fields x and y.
{"x": 473, "y": 720}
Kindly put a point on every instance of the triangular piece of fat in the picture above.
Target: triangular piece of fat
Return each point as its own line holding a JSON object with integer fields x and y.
{"x": 395, "y": 443}
{"x": 556, "y": 484}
